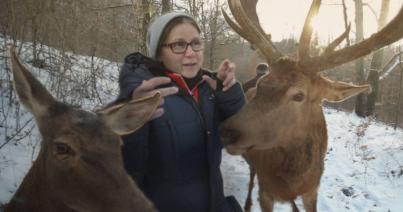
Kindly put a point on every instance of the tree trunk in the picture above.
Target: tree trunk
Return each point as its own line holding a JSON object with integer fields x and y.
{"x": 376, "y": 63}
{"x": 399, "y": 100}
{"x": 214, "y": 33}
{"x": 144, "y": 26}
{"x": 192, "y": 7}
{"x": 346, "y": 21}
{"x": 166, "y": 6}
{"x": 359, "y": 64}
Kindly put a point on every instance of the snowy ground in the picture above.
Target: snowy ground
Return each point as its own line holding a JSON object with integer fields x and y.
{"x": 363, "y": 170}
{"x": 368, "y": 168}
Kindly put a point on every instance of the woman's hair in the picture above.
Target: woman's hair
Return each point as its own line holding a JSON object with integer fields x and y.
{"x": 170, "y": 26}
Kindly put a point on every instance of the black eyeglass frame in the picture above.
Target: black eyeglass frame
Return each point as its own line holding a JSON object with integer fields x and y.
{"x": 191, "y": 44}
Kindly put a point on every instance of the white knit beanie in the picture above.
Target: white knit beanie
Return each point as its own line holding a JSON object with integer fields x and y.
{"x": 156, "y": 28}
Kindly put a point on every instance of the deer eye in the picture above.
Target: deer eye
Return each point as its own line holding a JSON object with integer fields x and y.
{"x": 62, "y": 151}
{"x": 298, "y": 97}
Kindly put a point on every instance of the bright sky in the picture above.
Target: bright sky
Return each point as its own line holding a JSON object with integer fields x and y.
{"x": 285, "y": 18}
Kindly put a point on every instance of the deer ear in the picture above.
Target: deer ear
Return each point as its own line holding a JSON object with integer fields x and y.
{"x": 31, "y": 93}
{"x": 127, "y": 117}
{"x": 339, "y": 91}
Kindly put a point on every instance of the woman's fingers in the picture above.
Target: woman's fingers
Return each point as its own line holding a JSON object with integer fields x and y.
{"x": 148, "y": 88}
{"x": 226, "y": 73}
{"x": 222, "y": 68}
{"x": 163, "y": 91}
{"x": 154, "y": 82}
{"x": 229, "y": 81}
{"x": 167, "y": 91}
{"x": 157, "y": 113}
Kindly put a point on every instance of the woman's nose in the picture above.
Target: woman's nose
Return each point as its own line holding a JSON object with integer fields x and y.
{"x": 189, "y": 51}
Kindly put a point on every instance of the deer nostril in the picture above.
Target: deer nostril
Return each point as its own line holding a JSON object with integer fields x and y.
{"x": 228, "y": 136}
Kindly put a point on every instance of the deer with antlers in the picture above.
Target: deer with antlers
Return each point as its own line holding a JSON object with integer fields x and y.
{"x": 282, "y": 131}
{"x": 79, "y": 166}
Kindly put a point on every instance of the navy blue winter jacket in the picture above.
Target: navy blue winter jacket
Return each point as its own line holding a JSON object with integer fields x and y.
{"x": 175, "y": 159}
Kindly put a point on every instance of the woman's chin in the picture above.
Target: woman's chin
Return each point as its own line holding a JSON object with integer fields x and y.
{"x": 190, "y": 71}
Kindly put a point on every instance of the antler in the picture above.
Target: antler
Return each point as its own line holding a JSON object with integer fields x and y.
{"x": 391, "y": 33}
{"x": 250, "y": 31}
{"x": 338, "y": 40}
{"x": 305, "y": 39}
{"x": 250, "y": 9}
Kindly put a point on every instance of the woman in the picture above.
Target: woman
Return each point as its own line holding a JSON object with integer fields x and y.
{"x": 175, "y": 158}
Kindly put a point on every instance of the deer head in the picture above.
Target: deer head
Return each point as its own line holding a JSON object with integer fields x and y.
{"x": 79, "y": 166}
{"x": 285, "y": 106}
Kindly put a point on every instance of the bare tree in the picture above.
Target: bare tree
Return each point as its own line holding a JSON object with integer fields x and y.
{"x": 215, "y": 27}
{"x": 365, "y": 104}
{"x": 193, "y": 6}
{"x": 376, "y": 63}
{"x": 166, "y": 6}
{"x": 346, "y": 24}
{"x": 359, "y": 63}
{"x": 399, "y": 100}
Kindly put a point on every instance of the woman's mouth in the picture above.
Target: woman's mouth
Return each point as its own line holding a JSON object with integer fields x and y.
{"x": 189, "y": 64}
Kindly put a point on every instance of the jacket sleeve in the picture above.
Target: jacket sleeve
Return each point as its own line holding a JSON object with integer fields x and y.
{"x": 230, "y": 101}
{"x": 135, "y": 149}
{"x": 130, "y": 77}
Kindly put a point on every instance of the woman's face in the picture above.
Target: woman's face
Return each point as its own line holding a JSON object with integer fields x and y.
{"x": 187, "y": 63}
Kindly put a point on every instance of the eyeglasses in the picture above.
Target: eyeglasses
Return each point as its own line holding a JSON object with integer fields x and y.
{"x": 180, "y": 47}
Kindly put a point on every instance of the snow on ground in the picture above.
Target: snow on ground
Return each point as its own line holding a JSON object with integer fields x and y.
{"x": 363, "y": 169}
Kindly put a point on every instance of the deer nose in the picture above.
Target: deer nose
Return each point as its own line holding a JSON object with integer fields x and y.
{"x": 228, "y": 136}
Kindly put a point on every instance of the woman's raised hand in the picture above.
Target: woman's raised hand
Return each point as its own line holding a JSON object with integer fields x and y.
{"x": 150, "y": 87}
{"x": 225, "y": 73}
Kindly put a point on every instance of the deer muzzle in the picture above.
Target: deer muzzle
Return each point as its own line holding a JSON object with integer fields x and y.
{"x": 228, "y": 136}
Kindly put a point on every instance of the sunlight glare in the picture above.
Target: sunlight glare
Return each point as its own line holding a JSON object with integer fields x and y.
{"x": 285, "y": 19}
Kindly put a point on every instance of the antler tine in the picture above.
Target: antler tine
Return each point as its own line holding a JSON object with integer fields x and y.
{"x": 391, "y": 33}
{"x": 332, "y": 46}
{"x": 249, "y": 7}
{"x": 305, "y": 39}
{"x": 251, "y": 32}
{"x": 235, "y": 27}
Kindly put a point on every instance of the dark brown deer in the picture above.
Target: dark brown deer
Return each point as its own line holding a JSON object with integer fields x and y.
{"x": 79, "y": 166}
{"x": 282, "y": 130}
